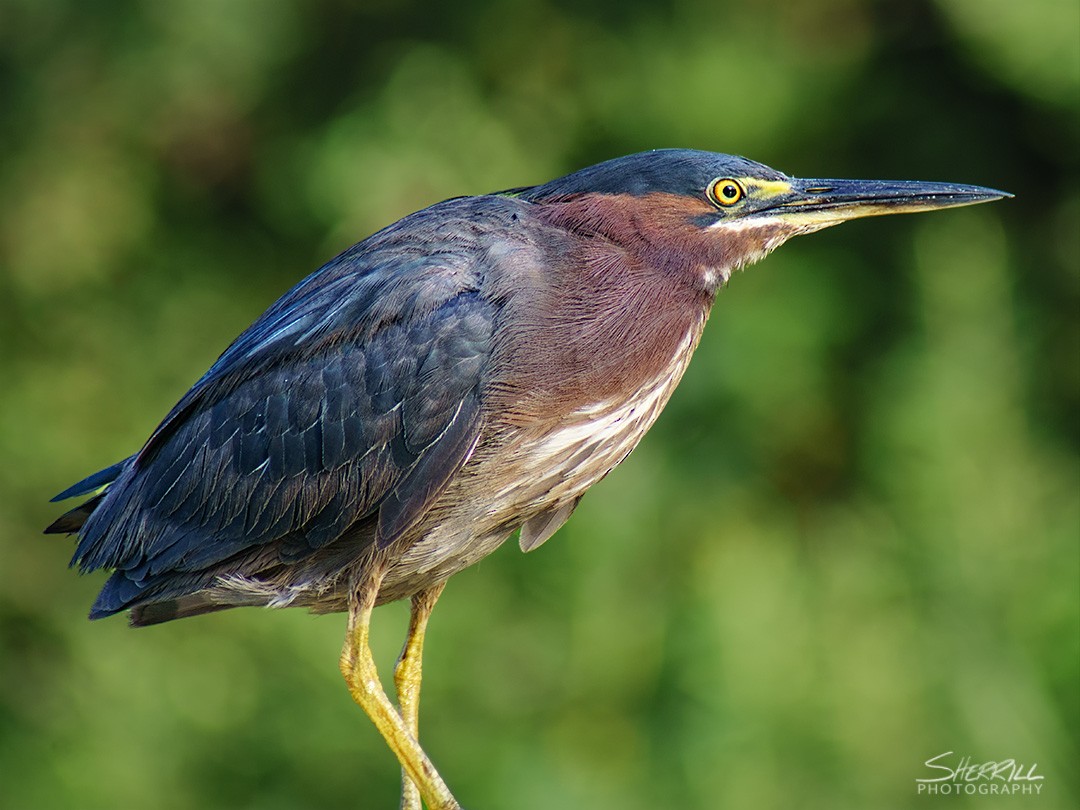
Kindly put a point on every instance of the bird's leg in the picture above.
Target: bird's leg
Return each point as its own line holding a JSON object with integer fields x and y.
{"x": 407, "y": 676}
{"x": 362, "y": 678}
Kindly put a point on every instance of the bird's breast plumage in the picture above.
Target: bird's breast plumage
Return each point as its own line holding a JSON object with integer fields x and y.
{"x": 521, "y": 472}
{"x": 561, "y": 462}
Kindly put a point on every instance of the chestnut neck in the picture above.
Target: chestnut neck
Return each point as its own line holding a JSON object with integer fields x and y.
{"x": 662, "y": 232}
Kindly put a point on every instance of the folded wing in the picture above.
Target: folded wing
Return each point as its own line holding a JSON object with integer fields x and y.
{"x": 356, "y": 396}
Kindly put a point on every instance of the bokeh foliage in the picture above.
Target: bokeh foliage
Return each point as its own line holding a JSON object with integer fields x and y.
{"x": 849, "y": 545}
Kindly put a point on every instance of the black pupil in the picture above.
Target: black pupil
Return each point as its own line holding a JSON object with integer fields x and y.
{"x": 730, "y": 192}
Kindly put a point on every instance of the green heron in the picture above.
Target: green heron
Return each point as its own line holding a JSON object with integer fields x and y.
{"x": 465, "y": 373}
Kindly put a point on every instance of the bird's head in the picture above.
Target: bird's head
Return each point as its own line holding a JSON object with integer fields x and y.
{"x": 713, "y": 213}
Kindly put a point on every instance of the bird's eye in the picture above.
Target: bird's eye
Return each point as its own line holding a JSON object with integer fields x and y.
{"x": 726, "y": 191}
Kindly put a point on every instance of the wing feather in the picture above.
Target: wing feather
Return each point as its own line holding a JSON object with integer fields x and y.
{"x": 358, "y": 393}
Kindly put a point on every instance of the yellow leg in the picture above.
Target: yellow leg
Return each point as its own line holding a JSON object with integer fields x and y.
{"x": 362, "y": 678}
{"x": 407, "y": 676}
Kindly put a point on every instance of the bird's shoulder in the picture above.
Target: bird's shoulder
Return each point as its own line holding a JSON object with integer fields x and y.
{"x": 402, "y": 272}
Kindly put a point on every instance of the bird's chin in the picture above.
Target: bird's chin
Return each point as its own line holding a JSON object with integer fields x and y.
{"x": 774, "y": 231}
{"x": 750, "y": 240}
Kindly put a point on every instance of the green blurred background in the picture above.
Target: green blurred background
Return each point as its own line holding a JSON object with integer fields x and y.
{"x": 849, "y": 545}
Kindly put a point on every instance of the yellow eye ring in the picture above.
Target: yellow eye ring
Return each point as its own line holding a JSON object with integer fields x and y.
{"x": 725, "y": 191}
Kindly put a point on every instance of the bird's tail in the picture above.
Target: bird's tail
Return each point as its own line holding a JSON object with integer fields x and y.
{"x": 180, "y": 608}
{"x": 72, "y": 521}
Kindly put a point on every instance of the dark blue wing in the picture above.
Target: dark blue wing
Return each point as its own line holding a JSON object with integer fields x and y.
{"x": 356, "y": 395}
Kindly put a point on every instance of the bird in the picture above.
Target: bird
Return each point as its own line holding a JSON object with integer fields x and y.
{"x": 465, "y": 373}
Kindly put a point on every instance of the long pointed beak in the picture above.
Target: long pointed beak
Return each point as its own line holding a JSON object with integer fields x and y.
{"x": 827, "y": 202}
